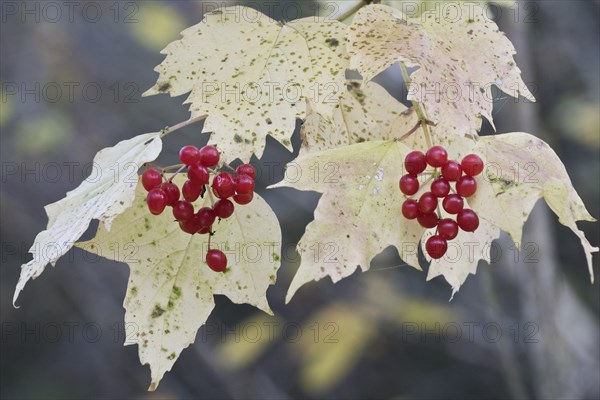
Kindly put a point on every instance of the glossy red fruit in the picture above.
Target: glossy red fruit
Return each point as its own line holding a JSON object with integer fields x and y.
{"x": 189, "y": 155}
{"x": 191, "y": 191}
{"x": 453, "y": 203}
{"x": 172, "y": 192}
{"x": 224, "y": 208}
{"x": 428, "y": 220}
{"x": 466, "y": 186}
{"x": 151, "y": 178}
{"x": 436, "y": 246}
{"x": 223, "y": 186}
{"x": 415, "y": 163}
{"x": 436, "y": 156}
{"x": 440, "y": 187}
{"x": 204, "y": 230}
{"x": 467, "y": 220}
{"x": 427, "y": 203}
{"x": 246, "y": 169}
{"x": 216, "y": 260}
{"x": 198, "y": 174}
{"x": 472, "y": 165}
{"x": 451, "y": 171}
{"x": 242, "y": 199}
{"x": 207, "y": 216}
{"x": 183, "y": 210}
{"x": 156, "y": 200}
{"x": 243, "y": 184}
{"x": 209, "y": 156}
{"x": 409, "y": 185}
{"x": 447, "y": 228}
{"x": 191, "y": 225}
{"x": 410, "y": 209}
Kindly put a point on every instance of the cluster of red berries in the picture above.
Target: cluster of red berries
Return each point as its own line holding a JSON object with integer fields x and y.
{"x": 424, "y": 209}
{"x": 200, "y": 164}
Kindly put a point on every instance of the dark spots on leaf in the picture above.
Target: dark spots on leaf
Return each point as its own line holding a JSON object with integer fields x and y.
{"x": 172, "y": 356}
{"x": 164, "y": 87}
{"x": 333, "y": 42}
{"x": 157, "y": 312}
{"x": 237, "y": 138}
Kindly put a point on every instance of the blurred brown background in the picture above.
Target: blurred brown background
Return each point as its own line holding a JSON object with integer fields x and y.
{"x": 526, "y": 327}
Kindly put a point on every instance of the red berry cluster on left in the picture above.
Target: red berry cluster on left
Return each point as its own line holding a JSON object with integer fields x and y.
{"x": 201, "y": 164}
{"x": 446, "y": 172}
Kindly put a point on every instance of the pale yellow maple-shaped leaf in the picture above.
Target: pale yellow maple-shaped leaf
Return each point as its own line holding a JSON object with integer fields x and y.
{"x": 418, "y": 8}
{"x": 359, "y": 214}
{"x": 170, "y": 290}
{"x": 520, "y": 169}
{"x": 107, "y": 192}
{"x": 463, "y": 255}
{"x": 251, "y": 74}
{"x": 364, "y": 113}
{"x": 460, "y": 58}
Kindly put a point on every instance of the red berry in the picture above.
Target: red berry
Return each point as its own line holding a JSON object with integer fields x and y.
{"x": 472, "y": 165}
{"x": 156, "y": 200}
{"x": 172, "y": 192}
{"x": 447, "y": 229}
{"x": 209, "y": 156}
{"x": 410, "y": 209}
{"x": 428, "y": 220}
{"x": 243, "y": 198}
{"x": 207, "y": 216}
{"x": 436, "y": 156}
{"x": 204, "y": 230}
{"x": 224, "y": 208}
{"x": 191, "y": 191}
{"x": 246, "y": 169}
{"x": 189, "y": 155}
{"x": 467, "y": 220}
{"x": 436, "y": 246}
{"x": 150, "y": 179}
{"x": 415, "y": 163}
{"x": 427, "y": 203}
{"x": 198, "y": 174}
{"x": 243, "y": 184}
{"x": 191, "y": 225}
{"x": 409, "y": 185}
{"x": 216, "y": 260}
{"x": 183, "y": 210}
{"x": 466, "y": 186}
{"x": 440, "y": 187}
{"x": 453, "y": 204}
{"x": 452, "y": 171}
{"x": 223, "y": 186}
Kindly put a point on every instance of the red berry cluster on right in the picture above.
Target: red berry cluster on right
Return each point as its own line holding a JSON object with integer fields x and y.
{"x": 426, "y": 209}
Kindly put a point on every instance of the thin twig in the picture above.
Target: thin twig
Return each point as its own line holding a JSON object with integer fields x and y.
{"x": 414, "y": 128}
{"x": 422, "y": 119}
{"x": 180, "y": 125}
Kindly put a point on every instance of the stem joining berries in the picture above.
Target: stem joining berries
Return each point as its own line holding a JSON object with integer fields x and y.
{"x": 451, "y": 183}
{"x": 201, "y": 165}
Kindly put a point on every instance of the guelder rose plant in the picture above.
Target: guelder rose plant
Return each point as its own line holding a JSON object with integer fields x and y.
{"x": 389, "y": 175}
